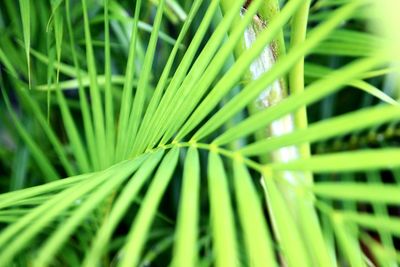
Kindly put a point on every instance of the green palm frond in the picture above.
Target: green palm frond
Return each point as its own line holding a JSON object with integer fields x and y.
{"x": 182, "y": 128}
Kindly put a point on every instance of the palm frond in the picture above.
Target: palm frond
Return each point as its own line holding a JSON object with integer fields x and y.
{"x": 170, "y": 160}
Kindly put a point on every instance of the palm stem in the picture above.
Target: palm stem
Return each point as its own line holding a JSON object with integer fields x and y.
{"x": 302, "y": 210}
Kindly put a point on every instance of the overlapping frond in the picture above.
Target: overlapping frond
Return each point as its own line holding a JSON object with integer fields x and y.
{"x": 161, "y": 143}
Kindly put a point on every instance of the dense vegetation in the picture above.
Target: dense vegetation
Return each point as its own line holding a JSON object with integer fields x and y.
{"x": 199, "y": 133}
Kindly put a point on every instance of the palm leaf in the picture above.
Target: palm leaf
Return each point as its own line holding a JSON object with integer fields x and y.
{"x": 170, "y": 159}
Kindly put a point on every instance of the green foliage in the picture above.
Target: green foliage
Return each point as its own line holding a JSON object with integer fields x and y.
{"x": 172, "y": 152}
